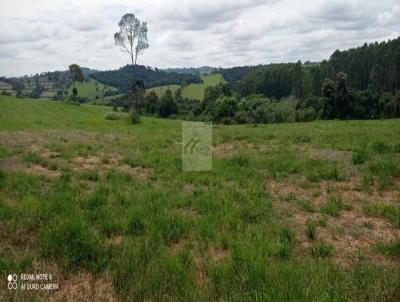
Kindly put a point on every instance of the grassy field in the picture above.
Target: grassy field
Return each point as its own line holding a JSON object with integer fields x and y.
{"x": 90, "y": 89}
{"x": 192, "y": 91}
{"x": 290, "y": 212}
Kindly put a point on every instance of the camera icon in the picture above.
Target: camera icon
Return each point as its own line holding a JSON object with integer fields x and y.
{"x": 12, "y": 281}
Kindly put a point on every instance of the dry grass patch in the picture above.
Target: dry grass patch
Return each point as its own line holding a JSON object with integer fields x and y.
{"x": 41, "y": 171}
{"x": 222, "y": 149}
{"x": 350, "y": 232}
{"x": 84, "y": 287}
{"x": 187, "y": 188}
{"x": 333, "y": 155}
{"x": 218, "y": 253}
{"x": 106, "y": 163}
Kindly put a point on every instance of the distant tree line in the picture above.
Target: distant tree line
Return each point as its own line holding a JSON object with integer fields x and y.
{"x": 360, "y": 83}
{"x": 123, "y": 77}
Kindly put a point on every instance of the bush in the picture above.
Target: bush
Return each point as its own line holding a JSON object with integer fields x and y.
{"x": 134, "y": 117}
{"x": 112, "y": 116}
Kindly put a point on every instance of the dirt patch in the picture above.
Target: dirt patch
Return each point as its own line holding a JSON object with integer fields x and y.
{"x": 189, "y": 211}
{"x": 334, "y": 155}
{"x": 349, "y": 233}
{"x": 84, "y": 287}
{"x": 218, "y": 253}
{"x": 106, "y": 163}
{"x": 86, "y": 163}
{"x": 223, "y": 149}
{"x": 11, "y": 164}
{"x": 349, "y": 190}
{"x": 139, "y": 172}
{"x": 285, "y": 188}
{"x": 115, "y": 240}
{"x": 20, "y": 138}
{"x": 40, "y": 170}
{"x": 177, "y": 247}
{"x": 187, "y": 188}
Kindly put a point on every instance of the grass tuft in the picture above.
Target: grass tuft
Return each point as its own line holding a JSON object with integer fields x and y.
{"x": 321, "y": 249}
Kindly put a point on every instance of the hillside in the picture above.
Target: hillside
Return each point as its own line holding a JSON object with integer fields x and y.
{"x": 192, "y": 70}
{"x": 92, "y": 89}
{"x": 123, "y": 77}
{"x": 192, "y": 91}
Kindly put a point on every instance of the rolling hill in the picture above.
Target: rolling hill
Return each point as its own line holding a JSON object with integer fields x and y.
{"x": 152, "y": 77}
{"x": 92, "y": 89}
{"x": 192, "y": 91}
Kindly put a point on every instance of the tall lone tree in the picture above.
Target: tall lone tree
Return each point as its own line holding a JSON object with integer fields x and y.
{"x": 132, "y": 38}
{"x": 77, "y": 76}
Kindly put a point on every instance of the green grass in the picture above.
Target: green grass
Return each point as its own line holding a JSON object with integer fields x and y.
{"x": 192, "y": 91}
{"x": 125, "y": 218}
{"x": 91, "y": 89}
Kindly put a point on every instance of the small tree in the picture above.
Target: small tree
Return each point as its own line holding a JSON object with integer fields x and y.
{"x": 167, "y": 105}
{"x": 132, "y": 38}
{"x": 76, "y": 73}
{"x": 77, "y": 76}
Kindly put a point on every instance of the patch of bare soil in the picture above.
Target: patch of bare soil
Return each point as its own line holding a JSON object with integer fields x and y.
{"x": 218, "y": 253}
{"x": 349, "y": 233}
{"x": 86, "y": 163}
{"x": 177, "y": 247}
{"x": 93, "y": 162}
{"x": 334, "y": 155}
{"x": 349, "y": 190}
{"x": 187, "y": 188}
{"x": 285, "y": 188}
{"x": 189, "y": 211}
{"x": 352, "y": 231}
{"x": 40, "y": 170}
{"x": 139, "y": 172}
{"x": 115, "y": 240}
{"x": 11, "y": 164}
{"x": 84, "y": 287}
{"x": 222, "y": 149}
{"x": 20, "y": 138}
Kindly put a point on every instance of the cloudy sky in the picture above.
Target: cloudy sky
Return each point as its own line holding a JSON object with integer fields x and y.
{"x": 45, "y": 35}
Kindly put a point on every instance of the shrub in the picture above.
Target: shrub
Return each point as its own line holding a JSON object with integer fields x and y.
{"x": 134, "y": 117}
{"x": 112, "y": 116}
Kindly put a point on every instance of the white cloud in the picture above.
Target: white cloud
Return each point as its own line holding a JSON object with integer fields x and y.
{"x": 47, "y": 35}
